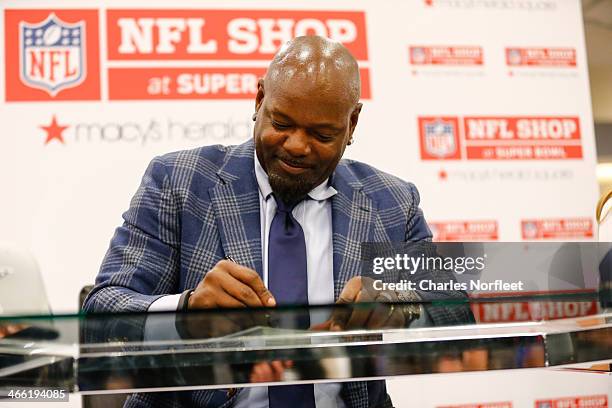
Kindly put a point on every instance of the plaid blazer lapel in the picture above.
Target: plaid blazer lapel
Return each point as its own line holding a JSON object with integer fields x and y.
{"x": 353, "y": 218}
{"x": 236, "y": 204}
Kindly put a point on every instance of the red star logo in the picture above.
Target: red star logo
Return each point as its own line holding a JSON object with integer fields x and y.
{"x": 54, "y": 131}
{"x": 442, "y": 175}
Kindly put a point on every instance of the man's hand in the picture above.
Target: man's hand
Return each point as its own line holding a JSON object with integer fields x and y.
{"x": 231, "y": 285}
{"x": 361, "y": 289}
{"x": 227, "y": 285}
{"x": 10, "y": 329}
{"x": 269, "y": 372}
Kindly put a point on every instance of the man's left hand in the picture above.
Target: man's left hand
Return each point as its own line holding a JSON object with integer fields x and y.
{"x": 360, "y": 289}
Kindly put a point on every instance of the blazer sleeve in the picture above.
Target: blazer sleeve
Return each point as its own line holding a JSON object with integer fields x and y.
{"x": 416, "y": 227}
{"x": 142, "y": 262}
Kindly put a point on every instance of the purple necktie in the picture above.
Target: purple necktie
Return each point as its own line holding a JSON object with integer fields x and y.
{"x": 288, "y": 282}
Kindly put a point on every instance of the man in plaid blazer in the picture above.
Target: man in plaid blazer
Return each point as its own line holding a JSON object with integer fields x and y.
{"x": 196, "y": 207}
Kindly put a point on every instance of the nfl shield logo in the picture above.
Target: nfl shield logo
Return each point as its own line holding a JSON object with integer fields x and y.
{"x": 439, "y": 138}
{"x": 52, "y": 54}
{"x": 514, "y": 57}
{"x": 418, "y": 55}
{"x": 530, "y": 230}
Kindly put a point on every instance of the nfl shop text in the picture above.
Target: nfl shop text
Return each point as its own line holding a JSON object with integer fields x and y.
{"x": 149, "y": 51}
{"x": 497, "y": 312}
{"x": 467, "y": 230}
{"x": 500, "y": 138}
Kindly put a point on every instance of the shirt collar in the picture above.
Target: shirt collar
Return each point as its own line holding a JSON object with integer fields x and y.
{"x": 320, "y": 193}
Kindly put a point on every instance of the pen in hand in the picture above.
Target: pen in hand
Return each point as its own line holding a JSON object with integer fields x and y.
{"x": 267, "y": 316}
{"x": 271, "y": 301}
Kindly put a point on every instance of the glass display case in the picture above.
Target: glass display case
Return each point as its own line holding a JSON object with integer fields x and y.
{"x": 221, "y": 348}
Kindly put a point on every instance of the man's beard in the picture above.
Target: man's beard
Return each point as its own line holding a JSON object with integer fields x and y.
{"x": 289, "y": 189}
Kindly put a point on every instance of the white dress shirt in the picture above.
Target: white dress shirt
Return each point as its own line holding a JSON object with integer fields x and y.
{"x": 315, "y": 217}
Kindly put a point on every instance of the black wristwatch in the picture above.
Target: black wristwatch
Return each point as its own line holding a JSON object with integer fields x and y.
{"x": 183, "y": 303}
{"x": 411, "y": 308}
{"x": 179, "y": 320}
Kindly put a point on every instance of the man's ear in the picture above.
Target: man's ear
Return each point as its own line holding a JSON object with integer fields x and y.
{"x": 354, "y": 119}
{"x": 260, "y": 94}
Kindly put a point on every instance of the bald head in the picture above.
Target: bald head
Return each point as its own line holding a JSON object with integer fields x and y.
{"x": 306, "y": 110}
{"x": 324, "y": 63}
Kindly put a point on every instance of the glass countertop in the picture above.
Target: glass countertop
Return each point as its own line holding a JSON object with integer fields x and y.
{"x": 220, "y": 348}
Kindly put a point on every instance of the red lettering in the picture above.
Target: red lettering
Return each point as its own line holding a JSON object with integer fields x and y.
{"x": 37, "y": 63}
{"x": 67, "y": 71}
{"x": 54, "y": 62}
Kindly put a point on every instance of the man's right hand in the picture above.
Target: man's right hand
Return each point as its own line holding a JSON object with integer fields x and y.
{"x": 229, "y": 284}
{"x": 226, "y": 285}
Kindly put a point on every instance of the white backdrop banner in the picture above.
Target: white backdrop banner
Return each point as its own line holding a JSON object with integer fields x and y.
{"x": 483, "y": 104}
{"x": 492, "y": 123}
